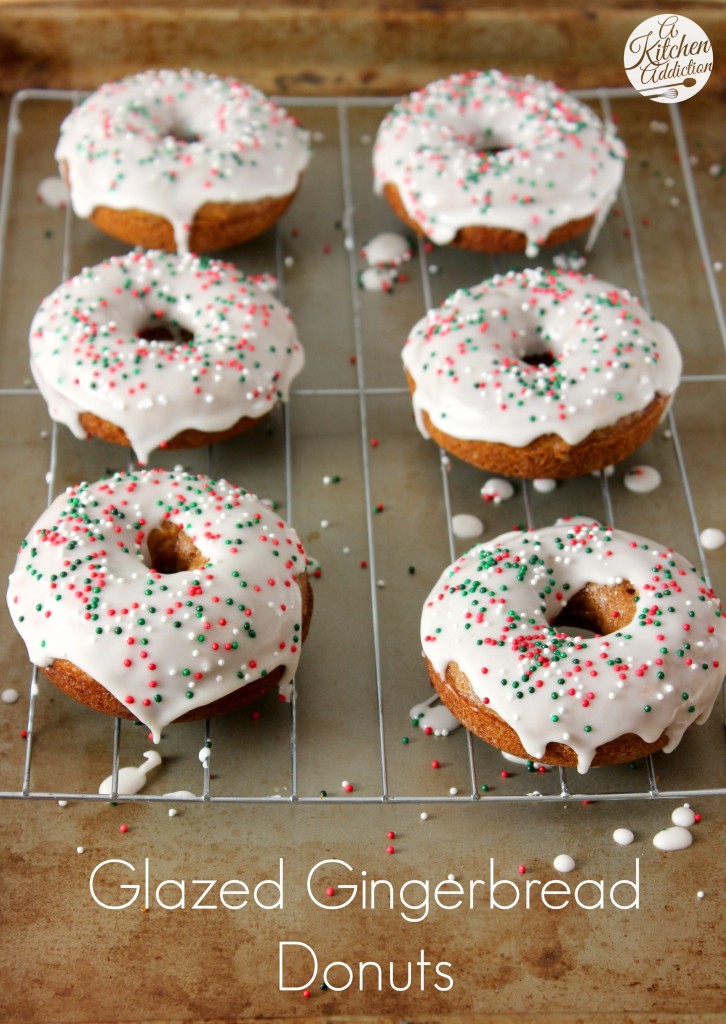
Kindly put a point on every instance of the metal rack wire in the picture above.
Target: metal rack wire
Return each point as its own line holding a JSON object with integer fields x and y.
{"x": 361, "y": 394}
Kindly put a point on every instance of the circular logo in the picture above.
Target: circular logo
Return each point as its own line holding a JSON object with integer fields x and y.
{"x": 668, "y": 58}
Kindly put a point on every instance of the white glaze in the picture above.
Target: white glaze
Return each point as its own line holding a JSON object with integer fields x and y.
{"x": 557, "y": 162}
{"x": 623, "y": 836}
{"x": 673, "y": 838}
{"x": 683, "y": 816}
{"x": 642, "y": 479}
{"x": 544, "y": 485}
{"x": 378, "y": 279}
{"x": 466, "y": 527}
{"x": 432, "y": 714}
{"x": 467, "y": 358}
{"x": 86, "y": 354}
{"x": 468, "y": 613}
{"x": 388, "y": 249}
{"x": 239, "y": 616}
{"x": 132, "y": 780}
{"x": 564, "y": 863}
{"x": 497, "y": 490}
{"x": 124, "y": 147}
{"x": 53, "y": 192}
{"x": 712, "y": 538}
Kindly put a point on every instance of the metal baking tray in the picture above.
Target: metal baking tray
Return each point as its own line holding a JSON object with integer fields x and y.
{"x": 350, "y": 416}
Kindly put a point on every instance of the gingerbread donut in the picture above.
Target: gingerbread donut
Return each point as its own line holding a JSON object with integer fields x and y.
{"x": 161, "y": 596}
{"x": 103, "y": 360}
{"x": 492, "y": 631}
{"x": 541, "y": 373}
{"x": 494, "y": 163}
{"x": 181, "y": 160}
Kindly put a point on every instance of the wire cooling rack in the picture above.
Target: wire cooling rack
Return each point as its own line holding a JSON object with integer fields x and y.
{"x": 347, "y": 714}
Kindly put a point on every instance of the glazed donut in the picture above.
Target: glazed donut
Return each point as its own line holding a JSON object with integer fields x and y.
{"x": 541, "y": 373}
{"x": 494, "y": 163}
{"x": 161, "y": 596}
{"x": 102, "y": 360}
{"x": 181, "y": 160}
{"x": 493, "y": 636}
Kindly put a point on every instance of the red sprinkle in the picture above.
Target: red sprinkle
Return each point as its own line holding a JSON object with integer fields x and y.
{"x": 330, "y": 891}
{"x": 504, "y": 775}
{"x": 390, "y": 849}
{"x": 696, "y": 817}
{"x": 521, "y": 869}
{"x": 123, "y": 828}
{"x": 391, "y": 835}
{"x": 435, "y": 764}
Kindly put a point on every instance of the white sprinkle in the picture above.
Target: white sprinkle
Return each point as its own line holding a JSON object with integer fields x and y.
{"x": 327, "y": 479}
{"x": 674, "y": 201}
{"x": 623, "y": 836}
{"x": 700, "y": 894}
{"x": 48, "y": 477}
{"x": 453, "y": 791}
{"x": 62, "y": 803}
{"x": 674, "y": 838}
{"x": 289, "y": 261}
{"x": 80, "y": 849}
{"x": 423, "y": 816}
{"x": 324, "y": 524}
{"x": 433, "y": 269}
{"x": 693, "y": 160}
{"x": 451, "y": 877}
{"x": 718, "y": 266}
{"x": 172, "y": 812}
{"x": 683, "y": 816}
{"x": 563, "y": 862}
{"x": 713, "y": 538}
{"x": 467, "y": 527}
{"x": 346, "y": 551}
{"x": 9, "y": 696}
{"x": 204, "y": 754}
{"x": 318, "y": 136}
{"x": 544, "y": 485}
{"x": 716, "y": 170}
{"x": 366, "y": 140}
{"x": 345, "y": 783}
{"x": 380, "y": 584}
{"x": 642, "y": 479}
{"x": 660, "y": 127}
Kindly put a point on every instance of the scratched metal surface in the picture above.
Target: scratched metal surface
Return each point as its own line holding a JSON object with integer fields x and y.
{"x": 361, "y": 669}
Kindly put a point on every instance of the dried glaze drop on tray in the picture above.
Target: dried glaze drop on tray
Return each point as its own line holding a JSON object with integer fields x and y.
{"x": 541, "y": 373}
{"x": 162, "y": 596}
{"x": 158, "y": 350}
{"x": 491, "y": 162}
{"x": 181, "y": 160}
{"x": 493, "y": 634}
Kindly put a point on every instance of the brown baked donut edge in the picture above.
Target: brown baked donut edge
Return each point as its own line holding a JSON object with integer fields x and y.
{"x": 457, "y": 694}
{"x": 489, "y": 239}
{"x": 549, "y": 455}
{"x": 96, "y": 426}
{"x": 86, "y": 690}
{"x": 215, "y": 225}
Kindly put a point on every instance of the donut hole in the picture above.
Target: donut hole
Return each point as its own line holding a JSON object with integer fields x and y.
{"x": 172, "y": 550}
{"x": 598, "y": 609}
{"x": 182, "y": 135}
{"x": 163, "y": 330}
{"x": 539, "y": 359}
